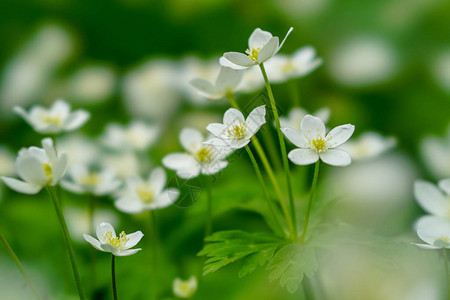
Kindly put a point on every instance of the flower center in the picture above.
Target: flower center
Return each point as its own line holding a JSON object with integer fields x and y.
{"x": 236, "y": 131}
{"x": 145, "y": 193}
{"x": 253, "y": 54}
{"x": 56, "y": 120}
{"x": 319, "y": 144}
{"x": 288, "y": 67}
{"x": 116, "y": 242}
{"x": 204, "y": 155}
{"x": 48, "y": 171}
{"x": 185, "y": 288}
{"x": 445, "y": 239}
{"x": 91, "y": 179}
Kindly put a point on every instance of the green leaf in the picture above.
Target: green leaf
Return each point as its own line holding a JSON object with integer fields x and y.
{"x": 291, "y": 263}
{"x": 226, "y": 247}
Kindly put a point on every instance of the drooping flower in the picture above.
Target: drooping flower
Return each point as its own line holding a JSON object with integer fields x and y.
{"x": 434, "y": 199}
{"x": 83, "y": 180}
{"x": 142, "y": 195}
{"x": 135, "y": 136}
{"x": 226, "y": 82}
{"x": 185, "y": 288}
{"x": 296, "y": 115}
{"x": 369, "y": 145}
{"x": 58, "y": 118}
{"x": 198, "y": 158}
{"x": 236, "y": 131}
{"x": 109, "y": 242}
{"x": 434, "y": 231}
{"x": 300, "y": 63}
{"x": 261, "y": 47}
{"x": 314, "y": 143}
{"x": 37, "y": 167}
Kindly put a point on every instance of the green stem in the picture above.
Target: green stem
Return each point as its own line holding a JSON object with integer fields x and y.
{"x": 93, "y": 252}
{"x": 295, "y": 95}
{"x": 63, "y": 224}
{"x": 155, "y": 241}
{"x": 283, "y": 151}
{"x": 113, "y": 276}
{"x": 209, "y": 218}
{"x": 447, "y": 274}
{"x": 311, "y": 198}
{"x": 19, "y": 266}
{"x": 270, "y": 143}
{"x": 263, "y": 186}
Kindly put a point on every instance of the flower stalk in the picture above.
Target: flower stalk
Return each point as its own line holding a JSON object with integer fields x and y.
{"x": 209, "y": 218}
{"x": 113, "y": 276}
{"x": 447, "y": 274}
{"x": 311, "y": 199}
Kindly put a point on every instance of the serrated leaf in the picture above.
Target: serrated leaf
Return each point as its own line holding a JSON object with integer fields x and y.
{"x": 291, "y": 263}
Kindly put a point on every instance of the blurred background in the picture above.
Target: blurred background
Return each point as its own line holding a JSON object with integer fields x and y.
{"x": 386, "y": 68}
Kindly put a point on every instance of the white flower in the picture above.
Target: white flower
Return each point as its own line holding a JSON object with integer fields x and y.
{"x": 6, "y": 162}
{"x": 236, "y": 131}
{"x": 434, "y": 200}
{"x": 199, "y": 158}
{"x": 58, "y": 118}
{"x": 435, "y": 231}
{"x": 284, "y": 67}
{"x": 135, "y": 136}
{"x": 142, "y": 195}
{"x": 435, "y": 152}
{"x": 261, "y": 47}
{"x": 83, "y": 181}
{"x": 226, "y": 82}
{"x": 38, "y": 168}
{"x": 123, "y": 163}
{"x": 80, "y": 149}
{"x": 314, "y": 144}
{"x": 252, "y": 80}
{"x": 296, "y": 115}
{"x": 185, "y": 288}
{"x": 369, "y": 145}
{"x": 109, "y": 242}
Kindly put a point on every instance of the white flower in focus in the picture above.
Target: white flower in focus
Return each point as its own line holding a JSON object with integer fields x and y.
{"x": 314, "y": 143}
{"x": 226, "y": 82}
{"x": 296, "y": 115}
{"x": 38, "y": 167}
{"x": 236, "y": 131}
{"x": 58, "y": 118}
{"x": 198, "y": 158}
{"x": 435, "y": 152}
{"x": 84, "y": 181}
{"x": 261, "y": 47}
{"x": 284, "y": 67}
{"x": 142, "y": 195}
{"x": 135, "y": 136}
{"x": 434, "y": 231}
{"x": 434, "y": 199}
{"x": 185, "y": 288}
{"x": 109, "y": 242}
{"x": 369, "y": 145}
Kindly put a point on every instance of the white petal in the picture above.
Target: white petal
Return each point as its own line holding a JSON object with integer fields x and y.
{"x": 107, "y": 187}
{"x": 164, "y": 199}
{"x": 323, "y": 114}
{"x": 312, "y": 127}
{"x": 31, "y": 170}
{"x": 59, "y": 168}
{"x": 20, "y": 186}
{"x": 133, "y": 239}
{"x": 231, "y": 115}
{"x": 127, "y": 252}
{"x": 72, "y": 187}
{"x": 95, "y": 243}
{"x": 336, "y": 157}
{"x": 61, "y": 108}
{"x": 177, "y": 161}
{"x": 303, "y": 156}
{"x": 50, "y": 150}
{"x": 296, "y": 137}
{"x": 228, "y": 79}
{"x": 133, "y": 181}
{"x": 239, "y": 59}
{"x": 76, "y": 119}
{"x": 431, "y": 199}
{"x": 21, "y": 112}
{"x": 158, "y": 179}
{"x": 129, "y": 204}
{"x": 339, "y": 135}
{"x": 205, "y": 87}
{"x": 258, "y": 38}
{"x": 103, "y": 228}
{"x": 285, "y": 37}
{"x": 214, "y": 167}
{"x": 445, "y": 185}
{"x": 191, "y": 139}
{"x": 256, "y": 118}
{"x": 268, "y": 50}
{"x": 226, "y": 63}
{"x": 426, "y": 246}
{"x": 216, "y": 128}
{"x": 110, "y": 248}
{"x": 189, "y": 173}
{"x": 431, "y": 229}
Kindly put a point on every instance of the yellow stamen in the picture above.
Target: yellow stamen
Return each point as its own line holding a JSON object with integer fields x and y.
{"x": 204, "y": 155}
{"x": 445, "y": 239}
{"x": 253, "y": 54}
{"x": 90, "y": 179}
{"x": 145, "y": 193}
{"x": 48, "y": 171}
{"x": 117, "y": 242}
{"x": 56, "y": 120}
{"x": 288, "y": 67}
{"x": 319, "y": 144}
{"x": 236, "y": 131}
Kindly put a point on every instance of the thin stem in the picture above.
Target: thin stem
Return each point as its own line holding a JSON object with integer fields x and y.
{"x": 20, "y": 267}
{"x": 155, "y": 242}
{"x": 62, "y": 221}
{"x": 447, "y": 274}
{"x": 295, "y": 95}
{"x": 311, "y": 198}
{"x": 263, "y": 186}
{"x": 93, "y": 252}
{"x": 113, "y": 276}
{"x": 209, "y": 219}
{"x": 270, "y": 143}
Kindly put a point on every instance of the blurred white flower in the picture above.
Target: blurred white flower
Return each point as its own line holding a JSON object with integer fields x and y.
{"x": 369, "y": 145}
{"x": 226, "y": 83}
{"x": 123, "y": 164}
{"x": 236, "y": 131}
{"x": 434, "y": 199}
{"x": 252, "y": 80}
{"x": 116, "y": 245}
{"x": 38, "y": 167}
{"x": 56, "y": 119}
{"x": 441, "y": 70}
{"x": 296, "y": 115}
{"x": 91, "y": 84}
{"x": 300, "y": 63}
{"x": 6, "y": 162}
{"x": 81, "y": 180}
{"x": 261, "y": 47}
{"x": 435, "y": 152}
{"x": 314, "y": 143}
{"x": 142, "y": 195}
{"x": 79, "y": 148}
{"x": 137, "y": 136}
{"x": 363, "y": 61}
{"x": 199, "y": 158}
{"x": 185, "y": 288}
{"x": 434, "y": 231}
